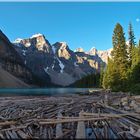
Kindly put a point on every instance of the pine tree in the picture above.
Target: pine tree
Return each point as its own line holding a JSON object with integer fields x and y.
{"x": 101, "y": 74}
{"x": 139, "y": 43}
{"x": 131, "y": 39}
{"x": 135, "y": 68}
{"x": 131, "y": 35}
{"x": 135, "y": 71}
{"x": 111, "y": 79}
{"x": 116, "y": 72}
{"x": 119, "y": 53}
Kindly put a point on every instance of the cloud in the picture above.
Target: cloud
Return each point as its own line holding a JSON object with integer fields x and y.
{"x": 137, "y": 20}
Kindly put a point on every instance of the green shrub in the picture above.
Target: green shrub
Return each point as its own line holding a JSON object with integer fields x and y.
{"x": 135, "y": 89}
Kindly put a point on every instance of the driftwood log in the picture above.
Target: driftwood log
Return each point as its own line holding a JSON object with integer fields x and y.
{"x": 100, "y": 115}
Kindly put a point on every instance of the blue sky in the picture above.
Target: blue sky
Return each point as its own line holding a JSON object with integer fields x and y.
{"x": 82, "y": 24}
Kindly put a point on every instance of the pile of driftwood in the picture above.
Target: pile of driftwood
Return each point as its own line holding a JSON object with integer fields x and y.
{"x": 96, "y": 116}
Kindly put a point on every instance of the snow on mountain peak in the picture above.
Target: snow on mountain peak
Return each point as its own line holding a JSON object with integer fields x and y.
{"x": 63, "y": 44}
{"x": 79, "y": 50}
{"x": 18, "y": 40}
{"x": 93, "y": 48}
{"x": 93, "y": 51}
{"x": 36, "y": 35}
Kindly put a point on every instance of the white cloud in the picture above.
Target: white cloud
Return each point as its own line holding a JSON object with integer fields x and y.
{"x": 138, "y": 20}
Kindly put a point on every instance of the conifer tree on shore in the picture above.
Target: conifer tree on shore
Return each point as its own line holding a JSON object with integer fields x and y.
{"x": 116, "y": 73}
{"x": 131, "y": 39}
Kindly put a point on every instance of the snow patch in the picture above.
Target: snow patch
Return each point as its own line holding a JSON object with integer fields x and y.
{"x": 53, "y": 66}
{"x": 75, "y": 64}
{"x": 61, "y": 65}
{"x": 18, "y": 40}
{"x": 28, "y": 44}
{"x": 46, "y": 69}
{"x": 36, "y": 35}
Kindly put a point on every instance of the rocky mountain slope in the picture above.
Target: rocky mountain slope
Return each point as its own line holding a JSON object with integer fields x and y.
{"x": 56, "y": 61}
{"x": 7, "y": 80}
{"x": 11, "y": 62}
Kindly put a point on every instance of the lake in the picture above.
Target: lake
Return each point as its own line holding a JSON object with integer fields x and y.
{"x": 42, "y": 91}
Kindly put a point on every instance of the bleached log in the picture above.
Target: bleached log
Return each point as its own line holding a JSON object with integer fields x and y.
{"x": 59, "y": 131}
{"x": 80, "y": 132}
{"x": 7, "y": 135}
{"x": 7, "y": 123}
{"x": 30, "y": 130}
{"x": 12, "y": 135}
{"x": 41, "y": 130}
{"x": 106, "y": 132}
{"x": 2, "y": 118}
{"x": 44, "y": 133}
{"x": 1, "y": 136}
{"x": 50, "y": 133}
{"x": 132, "y": 132}
{"x": 109, "y": 114}
{"x": 13, "y": 128}
{"x": 55, "y": 121}
{"x": 15, "y": 134}
{"x": 137, "y": 110}
{"x": 137, "y": 133}
{"x": 22, "y": 134}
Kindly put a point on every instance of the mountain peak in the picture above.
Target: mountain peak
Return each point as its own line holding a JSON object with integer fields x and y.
{"x": 79, "y": 50}
{"x": 61, "y": 45}
{"x": 37, "y": 40}
{"x": 93, "y": 51}
{"x": 93, "y": 48}
{"x": 63, "y": 49}
{"x": 18, "y": 40}
{"x": 36, "y": 35}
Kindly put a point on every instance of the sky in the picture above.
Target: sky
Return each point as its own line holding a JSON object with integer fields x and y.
{"x": 80, "y": 24}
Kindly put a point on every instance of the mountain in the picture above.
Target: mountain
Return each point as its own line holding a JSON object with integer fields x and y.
{"x": 105, "y": 54}
{"x": 11, "y": 62}
{"x": 57, "y": 61}
{"x": 102, "y": 54}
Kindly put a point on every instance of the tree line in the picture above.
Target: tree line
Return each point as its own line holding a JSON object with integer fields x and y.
{"x": 89, "y": 81}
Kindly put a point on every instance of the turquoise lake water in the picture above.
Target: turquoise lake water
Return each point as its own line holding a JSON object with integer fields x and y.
{"x": 42, "y": 91}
